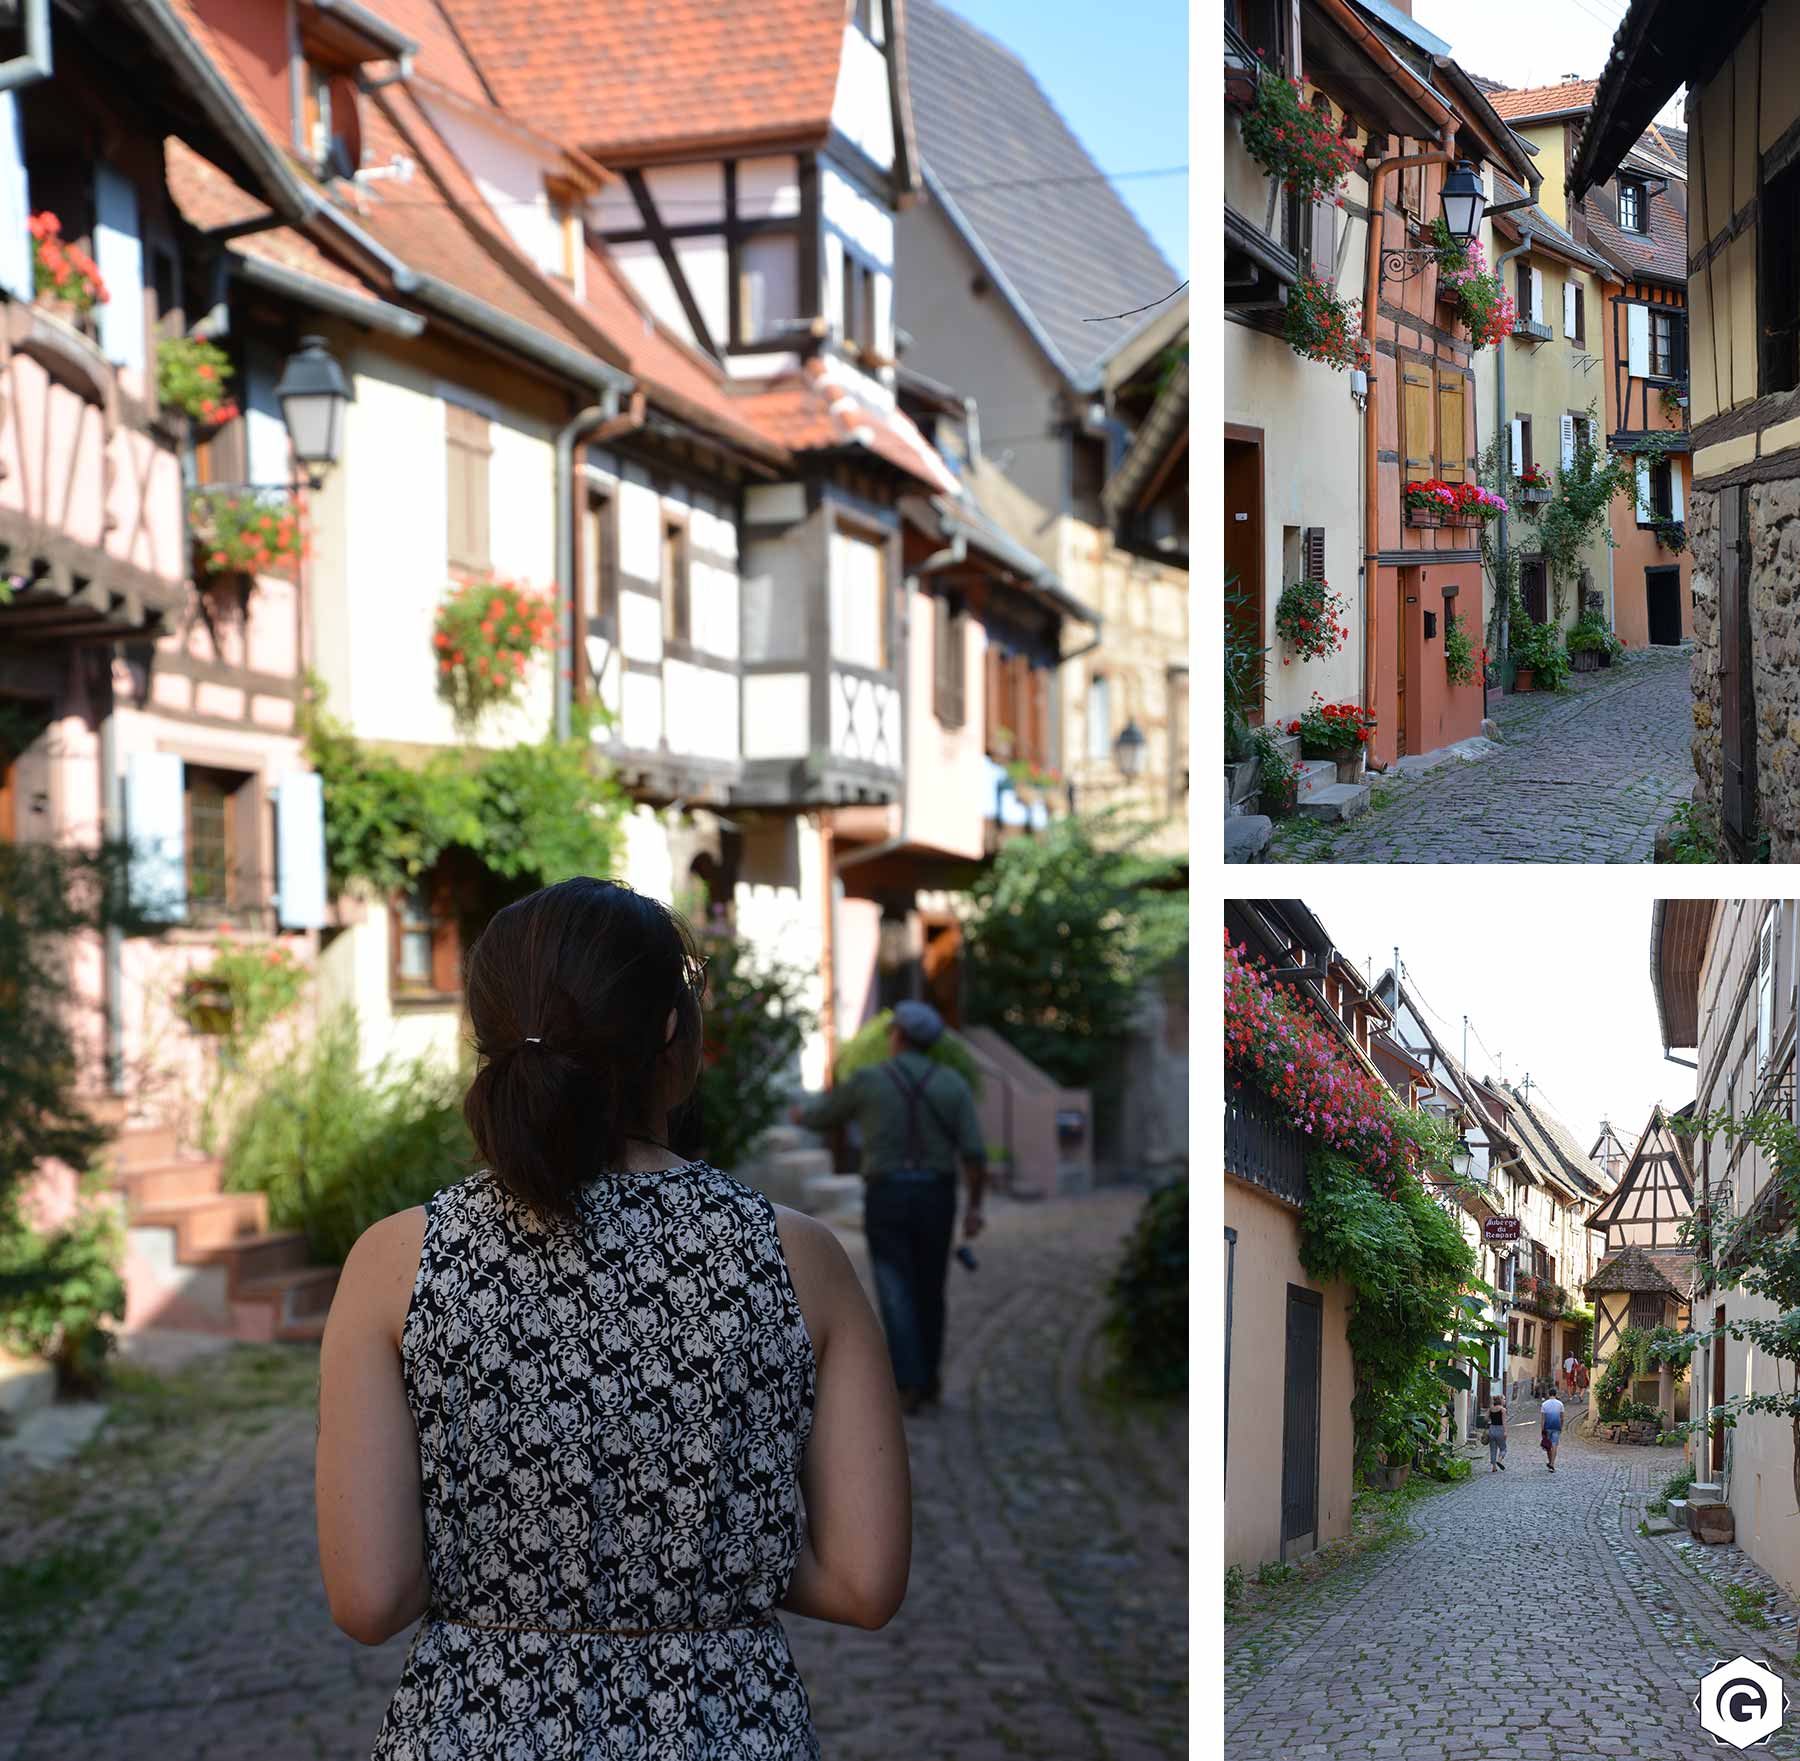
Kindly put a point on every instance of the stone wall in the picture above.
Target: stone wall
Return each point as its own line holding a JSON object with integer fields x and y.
{"x": 1774, "y": 610}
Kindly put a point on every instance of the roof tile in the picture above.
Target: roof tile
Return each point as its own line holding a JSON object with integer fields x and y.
{"x": 1521, "y": 103}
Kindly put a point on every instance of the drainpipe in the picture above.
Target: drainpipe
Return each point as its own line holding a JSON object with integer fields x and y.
{"x": 111, "y": 819}
{"x": 597, "y": 420}
{"x": 1501, "y": 605}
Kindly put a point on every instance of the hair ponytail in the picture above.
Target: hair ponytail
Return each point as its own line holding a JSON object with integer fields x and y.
{"x": 569, "y": 996}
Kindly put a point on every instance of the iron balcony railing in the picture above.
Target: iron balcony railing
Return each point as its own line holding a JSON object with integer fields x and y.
{"x": 1261, "y": 1148}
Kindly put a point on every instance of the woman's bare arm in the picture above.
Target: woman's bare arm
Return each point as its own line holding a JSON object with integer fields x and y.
{"x": 858, "y": 1550}
{"x": 371, "y": 1517}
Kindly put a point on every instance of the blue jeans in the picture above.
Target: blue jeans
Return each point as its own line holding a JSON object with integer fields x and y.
{"x": 909, "y": 1218}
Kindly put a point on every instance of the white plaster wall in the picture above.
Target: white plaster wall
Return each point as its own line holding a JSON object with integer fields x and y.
{"x": 510, "y": 176}
{"x": 687, "y": 195}
{"x": 702, "y": 716}
{"x": 861, "y": 108}
{"x": 780, "y": 910}
{"x": 643, "y": 268}
{"x": 648, "y": 864}
{"x": 703, "y": 267}
{"x": 354, "y": 969}
{"x": 868, "y": 225}
{"x": 641, "y": 713}
{"x": 1312, "y": 447}
{"x": 777, "y": 719}
{"x": 393, "y": 562}
{"x": 768, "y": 189}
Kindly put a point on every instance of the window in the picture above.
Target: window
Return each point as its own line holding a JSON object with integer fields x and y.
{"x": 329, "y": 131}
{"x": 1534, "y": 589}
{"x": 858, "y": 600}
{"x": 468, "y": 448}
{"x": 1632, "y": 205}
{"x": 1662, "y": 494}
{"x": 1417, "y": 427}
{"x": 1765, "y": 994}
{"x": 418, "y": 932}
{"x": 1580, "y": 315}
{"x": 1646, "y": 1312}
{"x": 950, "y": 671}
{"x": 431, "y": 927}
{"x": 1099, "y": 719}
{"x": 678, "y": 615}
{"x": 859, "y": 305}
{"x": 1512, "y": 1333}
{"x": 1452, "y": 429}
{"x": 1258, "y": 22}
{"x": 600, "y": 589}
{"x": 1664, "y": 341}
{"x": 1778, "y": 290}
{"x": 768, "y": 284}
{"x": 1527, "y": 1335}
{"x": 218, "y": 809}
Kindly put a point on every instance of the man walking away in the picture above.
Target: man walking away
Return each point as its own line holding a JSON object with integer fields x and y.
{"x": 918, "y": 1123}
{"x": 1552, "y": 1416}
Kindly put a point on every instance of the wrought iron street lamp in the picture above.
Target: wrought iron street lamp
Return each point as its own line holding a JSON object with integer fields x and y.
{"x": 314, "y": 394}
{"x": 1464, "y": 202}
{"x": 1128, "y": 750}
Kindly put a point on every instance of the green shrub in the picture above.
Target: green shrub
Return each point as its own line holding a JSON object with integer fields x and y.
{"x": 1147, "y": 1319}
{"x": 868, "y": 1046}
{"x": 1678, "y": 1484}
{"x": 337, "y": 1147}
{"x": 64, "y": 1287}
{"x": 756, "y": 1021}
{"x": 1234, "y": 1586}
{"x": 1274, "y": 1571}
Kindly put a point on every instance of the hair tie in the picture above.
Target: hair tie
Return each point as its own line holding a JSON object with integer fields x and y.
{"x": 532, "y": 1039}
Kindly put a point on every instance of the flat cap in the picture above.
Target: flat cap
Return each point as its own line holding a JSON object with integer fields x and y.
{"x": 919, "y": 1023}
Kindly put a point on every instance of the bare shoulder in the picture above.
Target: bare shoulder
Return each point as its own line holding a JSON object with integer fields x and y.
{"x": 378, "y": 1277}
{"x": 820, "y": 1269}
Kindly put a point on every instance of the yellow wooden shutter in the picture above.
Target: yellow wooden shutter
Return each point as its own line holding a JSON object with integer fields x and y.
{"x": 1452, "y": 438}
{"x": 1415, "y": 420}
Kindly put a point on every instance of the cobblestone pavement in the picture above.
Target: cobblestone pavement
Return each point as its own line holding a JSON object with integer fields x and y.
{"x": 1587, "y": 775}
{"x": 1528, "y": 1621}
{"x": 1046, "y": 1615}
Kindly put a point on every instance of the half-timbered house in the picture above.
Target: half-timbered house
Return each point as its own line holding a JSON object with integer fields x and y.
{"x": 1646, "y": 1278}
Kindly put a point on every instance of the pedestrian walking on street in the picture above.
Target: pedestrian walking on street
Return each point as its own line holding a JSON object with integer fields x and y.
{"x": 568, "y": 1409}
{"x": 1496, "y": 1436}
{"x": 1569, "y": 1373}
{"x": 1551, "y": 1417}
{"x": 918, "y": 1123}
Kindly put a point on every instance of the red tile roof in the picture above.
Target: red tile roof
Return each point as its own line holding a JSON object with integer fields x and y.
{"x": 630, "y": 78}
{"x": 1532, "y": 101}
{"x": 1661, "y": 252}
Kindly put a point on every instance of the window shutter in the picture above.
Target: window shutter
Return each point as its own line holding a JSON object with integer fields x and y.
{"x": 446, "y": 934}
{"x": 1416, "y": 411}
{"x": 300, "y": 850}
{"x": 991, "y": 688}
{"x": 1537, "y": 296}
{"x": 1518, "y": 445}
{"x": 1568, "y": 308}
{"x": 1675, "y": 507}
{"x": 1581, "y": 315}
{"x": 1452, "y": 435}
{"x": 265, "y": 433}
{"x": 16, "y": 274}
{"x": 1568, "y": 442}
{"x": 1637, "y": 341}
{"x": 156, "y": 825}
{"x": 1314, "y": 544}
{"x": 119, "y": 255}
{"x": 1643, "y": 492}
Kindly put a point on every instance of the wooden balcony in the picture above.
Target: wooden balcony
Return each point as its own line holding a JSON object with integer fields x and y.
{"x": 1262, "y": 1149}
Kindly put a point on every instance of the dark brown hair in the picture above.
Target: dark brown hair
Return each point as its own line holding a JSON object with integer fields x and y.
{"x": 569, "y": 997}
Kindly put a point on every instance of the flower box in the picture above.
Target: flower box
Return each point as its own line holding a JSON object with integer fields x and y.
{"x": 207, "y": 1005}
{"x": 1523, "y": 327}
{"x": 1532, "y": 492}
{"x": 1584, "y": 660}
{"x": 1424, "y": 517}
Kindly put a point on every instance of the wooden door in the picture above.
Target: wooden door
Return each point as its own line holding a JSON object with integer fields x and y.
{"x": 1737, "y": 690}
{"x": 1300, "y": 1420}
{"x": 1715, "y": 1393}
{"x": 1662, "y": 602}
{"x": 1244, "y": 541}
{"x": 1406, "y": 593}
{"x": 941, "y": 967}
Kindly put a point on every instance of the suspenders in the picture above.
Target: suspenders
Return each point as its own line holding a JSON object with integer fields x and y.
{"x": 914, "y": 1093}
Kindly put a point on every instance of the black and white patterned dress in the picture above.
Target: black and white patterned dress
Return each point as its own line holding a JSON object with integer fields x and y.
{"x": 612, "y": 1414}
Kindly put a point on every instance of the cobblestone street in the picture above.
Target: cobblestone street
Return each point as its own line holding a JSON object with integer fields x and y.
{"x": 1587, "y": 775}
{"x": 1046, "y": 1615}
{"x": 1528, "y": 1619}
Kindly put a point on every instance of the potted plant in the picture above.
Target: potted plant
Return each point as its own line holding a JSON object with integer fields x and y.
{"x": 487, "y": 631}
{"x": 1278, "y": 782}
{"x": 245, "y": 531}
{"x": 1533, "y": 483}
{"x": 1587, "y": 641}
{"x": 190, "y": 376}
{"x": 1428, "y": 504}
{"x": 1308, "y": 618}
{"x": 1338, "y": 731}
{"x": 1293, "y": 142}
{"x": 1671, "y": 535}
{"x": 1321, "y": 327}
{"x": 1465, "y": 281}
{"x": 67, "y": 280}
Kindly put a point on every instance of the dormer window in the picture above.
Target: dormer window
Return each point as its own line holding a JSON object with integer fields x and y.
{"x": 1634, "y": 205}
{"x": 569, "y": 246}
{"x": 329, "y": 131}
{"x": 338, "y": 40}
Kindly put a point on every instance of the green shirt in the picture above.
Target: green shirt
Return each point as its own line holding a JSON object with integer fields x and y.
{"x": 874, "y": 1100}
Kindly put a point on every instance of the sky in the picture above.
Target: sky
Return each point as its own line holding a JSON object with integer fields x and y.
{"x": 1562, "y": 992}
{"x": 1530, "y": 42}
{"x": 1118, "y": 75}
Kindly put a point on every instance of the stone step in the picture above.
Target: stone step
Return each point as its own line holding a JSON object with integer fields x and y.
{"x": 1242, "y": 779}
{"x": 1662, "y": 1525}
{"x": 266, "y": 1255}
{"x": 299, "y": 1293}
{"x": 157, "y": 1183}
{"x": 1711, "y": 1523}
{"x": 143, "y": 1145}
{"x": 201, "y": 1223}
{"x": 1706, "y": 1492}
{"x": 26, "y": 1384}
{"x": 1315, "y": 773}
{"x": 1334, "y": 801}
{"x": 1288, "y": 745}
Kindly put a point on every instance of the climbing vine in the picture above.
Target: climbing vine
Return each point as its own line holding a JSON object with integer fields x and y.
{"x": 1577, "y": 513}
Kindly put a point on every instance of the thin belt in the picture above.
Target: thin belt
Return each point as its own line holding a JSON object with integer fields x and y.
{"x": 603, "y": 1632}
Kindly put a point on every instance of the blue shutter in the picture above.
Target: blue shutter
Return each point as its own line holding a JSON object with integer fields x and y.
{"x": 119, "y": 252}
{"x": 300, "y": 850}
{"x": 16, "y": 274}
{"x": 156, "y": 825}
{"x": 266, "y": 435}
